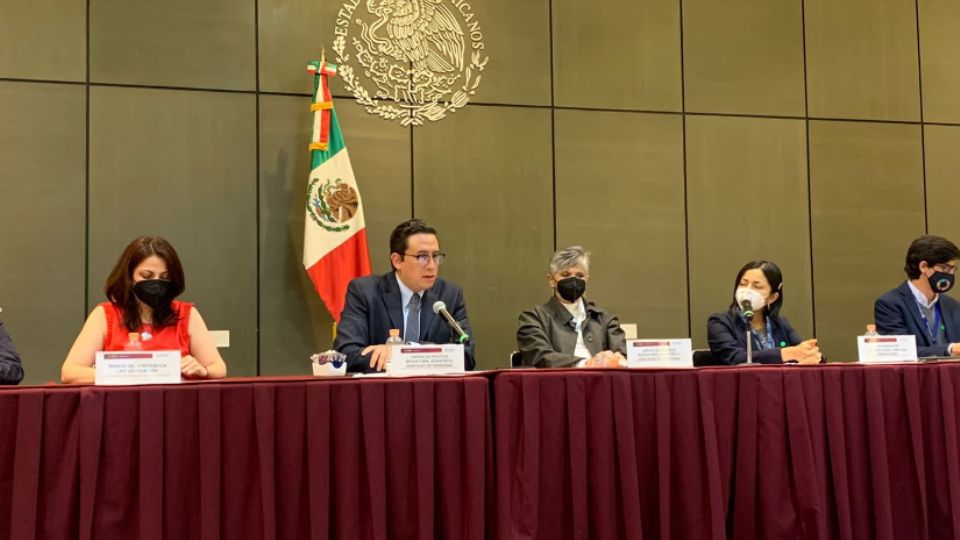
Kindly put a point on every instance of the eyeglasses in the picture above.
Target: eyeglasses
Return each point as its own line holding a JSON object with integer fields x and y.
{"x": 424, "y": 258}
{"x": 947, "y": 268}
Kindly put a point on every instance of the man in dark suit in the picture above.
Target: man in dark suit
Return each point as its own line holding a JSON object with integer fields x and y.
{"x": 402, "y": 299}
{"x": 11, "y": 369}
{"x": 918, "y": 306}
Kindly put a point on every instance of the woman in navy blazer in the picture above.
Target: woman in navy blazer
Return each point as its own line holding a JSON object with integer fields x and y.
{"x": 774, "y": 340}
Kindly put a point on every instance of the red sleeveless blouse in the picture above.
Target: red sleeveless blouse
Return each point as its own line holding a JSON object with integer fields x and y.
{"x": 169, "y": 338}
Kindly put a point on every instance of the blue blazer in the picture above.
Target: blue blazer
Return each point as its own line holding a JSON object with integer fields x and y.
{"x": 373, "y": 307}
{"x": 897, "y": 313}
{"x": 11, "y": 369}
{"x": 727, "y": 334}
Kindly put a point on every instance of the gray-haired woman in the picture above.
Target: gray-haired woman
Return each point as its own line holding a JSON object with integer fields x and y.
{"x": 569, "y": 331}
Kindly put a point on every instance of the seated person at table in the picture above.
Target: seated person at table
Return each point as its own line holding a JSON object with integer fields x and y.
{"x": 569, "y": 331}
{"x": 11, "y": 370}
{"x": 918, "y": 307}
{"x": 141, "y": 289}
{"x": 401, "y": 299}
{"x": 774, "y": 341}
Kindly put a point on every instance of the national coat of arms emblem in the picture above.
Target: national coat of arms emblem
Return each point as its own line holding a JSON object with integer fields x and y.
{"x": 422, "y": 59}
{"x": 332, "y": 203}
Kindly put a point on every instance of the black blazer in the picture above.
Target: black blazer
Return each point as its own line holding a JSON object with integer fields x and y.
{"x": 373, "y": 307}
{"x": 11, "y": 368}
{"x": 897, "y": 313}
{"x": 727, "y": 334}
{"x": 547, "y": 335}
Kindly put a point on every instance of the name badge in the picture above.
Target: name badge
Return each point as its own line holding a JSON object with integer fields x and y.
{"x": 425, "y": 360}
{"x": 669, "y": 353}
{"x": 137, "y": 367}
{"x": 886, "y": 349}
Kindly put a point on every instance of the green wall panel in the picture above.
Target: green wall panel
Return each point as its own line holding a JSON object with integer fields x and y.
{"x": 42, "y": 211}
{"x": 620, "y": 195}
{"x": 747, "y": 200}
{"x": 867, "y": 200}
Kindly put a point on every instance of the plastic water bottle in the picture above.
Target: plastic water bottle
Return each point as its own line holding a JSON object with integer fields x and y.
{"x": 871, "y": 330}
{"x": 394, "y": 337}
{"x": 133, "y": 342}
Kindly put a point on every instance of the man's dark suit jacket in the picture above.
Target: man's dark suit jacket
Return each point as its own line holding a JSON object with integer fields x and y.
{"x": 11, "y": 369}
{"x": 373, "y": 307}
{"x": 547, "y": 335}
{"x": 897, "y": 313}
{"x": 727, "y": 334}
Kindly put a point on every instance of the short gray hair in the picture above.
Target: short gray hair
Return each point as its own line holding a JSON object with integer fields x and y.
{"x": 569, "y": 257}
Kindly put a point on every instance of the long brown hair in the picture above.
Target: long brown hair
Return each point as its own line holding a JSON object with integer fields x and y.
{"x": 119, "y": 287}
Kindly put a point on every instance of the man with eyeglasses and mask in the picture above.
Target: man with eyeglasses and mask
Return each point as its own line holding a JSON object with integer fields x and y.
{"x": 401, "y": 299}
{"x": 918, "y": 306}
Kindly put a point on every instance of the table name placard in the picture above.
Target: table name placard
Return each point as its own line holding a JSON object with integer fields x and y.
{"x": 887, "y": 349}
{"x": 659, "y": 353}
{"x": 137, "y": 367}
{"x": 426, "y": 360}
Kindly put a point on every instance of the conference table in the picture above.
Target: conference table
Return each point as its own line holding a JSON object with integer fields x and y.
{"x": 833, "y": 451}
{"x": 267, "y": 458}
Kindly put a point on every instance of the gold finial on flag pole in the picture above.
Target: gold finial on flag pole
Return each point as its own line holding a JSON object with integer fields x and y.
{"x": 323, "y": 53}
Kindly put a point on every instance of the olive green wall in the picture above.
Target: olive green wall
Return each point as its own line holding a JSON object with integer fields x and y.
{"x": 676, "y": 139}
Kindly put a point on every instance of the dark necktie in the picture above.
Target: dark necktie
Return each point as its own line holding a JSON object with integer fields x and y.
{"x": 412, "y": 333}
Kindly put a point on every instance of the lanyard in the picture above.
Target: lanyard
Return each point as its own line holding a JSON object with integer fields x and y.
{"x": 764, "y": 341}
{"x": 935, "y": 331}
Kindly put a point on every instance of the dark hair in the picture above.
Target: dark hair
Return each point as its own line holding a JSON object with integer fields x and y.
{"x": 119, "y": 287}
{"x": 932, "y": 249}
{"x": 774, "y": 277}
{"x": 403, "y": 231}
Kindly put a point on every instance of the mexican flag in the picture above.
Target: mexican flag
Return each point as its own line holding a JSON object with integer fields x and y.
{"x": 334, "y": 235}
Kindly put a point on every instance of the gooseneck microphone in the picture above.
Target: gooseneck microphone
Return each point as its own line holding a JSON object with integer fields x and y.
{"x": 440, "y": 308}
{"x": 745, "y": 299}
{"x": 747, "y": 308}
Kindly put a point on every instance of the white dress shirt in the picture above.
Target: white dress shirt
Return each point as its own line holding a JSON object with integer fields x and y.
{"x": 579, "y": 312}
{"x": 929, "y": 305}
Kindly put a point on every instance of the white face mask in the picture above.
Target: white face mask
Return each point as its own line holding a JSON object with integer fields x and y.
{"x": 757, "y": 300}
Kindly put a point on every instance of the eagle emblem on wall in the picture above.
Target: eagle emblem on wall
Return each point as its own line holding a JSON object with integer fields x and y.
{"x": 410, "y": 60}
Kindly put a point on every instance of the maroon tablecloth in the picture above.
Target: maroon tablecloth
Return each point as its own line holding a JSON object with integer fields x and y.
{"x": 241, "y": 459}
{"x": 769, "y": 452}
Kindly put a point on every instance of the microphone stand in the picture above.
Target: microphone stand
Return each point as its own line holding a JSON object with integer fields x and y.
{"x": 749, "y": 341}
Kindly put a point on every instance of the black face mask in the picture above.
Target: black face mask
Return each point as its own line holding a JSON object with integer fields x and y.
{"x": 941, "y": 282}
{"x": 571, "y": 288}
{"x": 154, "y": 292}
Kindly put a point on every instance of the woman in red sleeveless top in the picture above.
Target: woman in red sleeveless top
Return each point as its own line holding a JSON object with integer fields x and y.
{"x": 142, "y": 314}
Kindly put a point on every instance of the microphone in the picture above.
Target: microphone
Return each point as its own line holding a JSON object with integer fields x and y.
{"x": 745, "y": 299}
{"x": 441, "y": 309}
